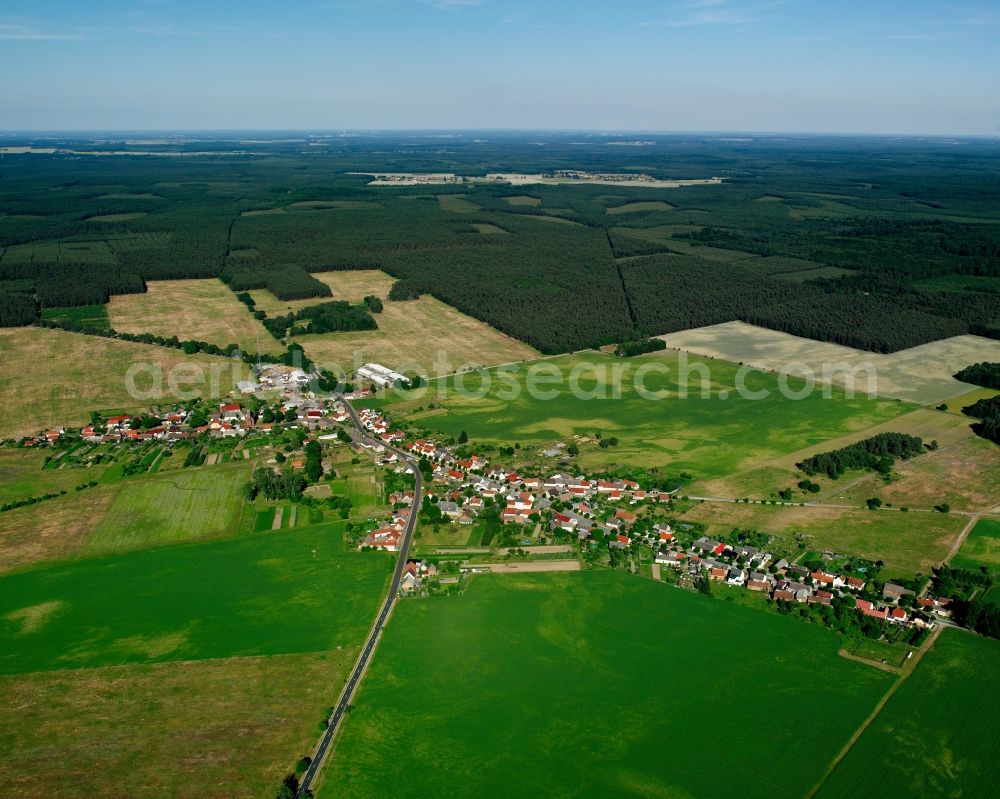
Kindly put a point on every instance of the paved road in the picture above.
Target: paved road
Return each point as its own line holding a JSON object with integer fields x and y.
{"x": 326, "y": 740}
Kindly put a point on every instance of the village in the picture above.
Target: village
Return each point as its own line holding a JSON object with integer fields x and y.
{"x": 598, "y": 519}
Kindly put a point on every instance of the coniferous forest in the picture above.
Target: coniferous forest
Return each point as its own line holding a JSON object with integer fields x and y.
{"x": 872, "y": 243}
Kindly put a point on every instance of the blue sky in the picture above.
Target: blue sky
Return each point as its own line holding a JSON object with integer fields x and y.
{"x": 877, "y": 66}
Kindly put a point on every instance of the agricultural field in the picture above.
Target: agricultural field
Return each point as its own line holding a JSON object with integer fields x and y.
{"x": 921, "y": 374}
{"x": 937, "y": 735}
{"x": 953, "y": 434}
{"x": 22, "y": 474}
{"x": 955, "y": 404}
{"x": 981, "y": 548}
{"x": 180, "y": 506}
{"x": 259, "y": 594}
{"x": 906, "y": 543}
{"x": 82, "y": 373}
{"x": 52, "y": 530}
{"x": 230, "y": 727}
{"x": 555, "y": 658}
{"x": 192, "y": 310}
{"x": 422, "y": 334}
{"x": 705, "y": 436}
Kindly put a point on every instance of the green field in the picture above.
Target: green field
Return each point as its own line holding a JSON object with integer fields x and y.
{"x": 703, "y": 436}
{"x": 261, "y": 594}
{"x": 937, "y": 735}
{"x": 981, "y": 548}
{"x": 173, "y": 507}
{"x": 597, "y": 684}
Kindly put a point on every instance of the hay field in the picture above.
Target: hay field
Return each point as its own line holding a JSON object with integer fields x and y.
{"x": 352, "y": 285}
{"x": 418, "y": 333}
{"x": 202, "y": 310}
{"x": 921, "y": 374}
{"x": 229, "y": 727}
{"x": 52, "y": 377}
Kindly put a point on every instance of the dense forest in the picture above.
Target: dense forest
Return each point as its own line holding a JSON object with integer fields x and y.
{"x": 987, "y": 411}
{"x": 878, "y": 453}
{"x": 981, "y": 374}
{"x": 873, "y": 243}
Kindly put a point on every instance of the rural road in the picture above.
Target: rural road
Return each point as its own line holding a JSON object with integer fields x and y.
{"x": 793, "y": 504}
{"x": 326, "y": 740}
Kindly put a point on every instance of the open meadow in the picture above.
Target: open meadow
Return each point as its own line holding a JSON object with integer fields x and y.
{"x": 260, "y": 594}
{"x": 231, "y": 727}
{"x": 51, "y": 377}
{"x": 937, "y": 735}
{"x": 906, "y": 543}
{"x": 705, "y": 436}
{"x": 596, "y": 684}
{"x": 921, "y": 374}
{"x": 192, "y": 310}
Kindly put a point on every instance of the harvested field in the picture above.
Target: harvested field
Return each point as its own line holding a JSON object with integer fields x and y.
{"x": 921, "y": 374}
{"x": 530, "y": 566}
{"x": 651, "y": 205}
{"x": 523, "y": 199}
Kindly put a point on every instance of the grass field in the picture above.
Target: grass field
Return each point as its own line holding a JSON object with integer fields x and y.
{"x": 202, "y": 310}
{"x": 921, "y": 374}
{"x": 94, "y": 317}
{"x": 422, "y": 333}
{"x": 55, "y": 529}
{"x": 51, "y": 377}
{"x": 180, "y": 506}
{"x": 22, "y": 475}
{"x": 191, "y": 729}
{"x": 704, "y": 436}
{"x": 956, "y": 439}
{"x": 981, "y": 548}
{"x": 596, "y": 684}
{"x": 352, "y": 285}
{"x": 955, "y": 404}
{"x": 907, "y": 543}
{"x": 937, "y": 736}
{"x": 456, "y": 203}
{"x": 260, "y": 594}
{"x": 965, "y": 475}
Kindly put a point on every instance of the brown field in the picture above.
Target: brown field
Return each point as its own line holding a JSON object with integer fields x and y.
{"x": 770, "y": 476}
{"x": 54, "y": 529}
{"x": 921, "y": 374}
{"x": 52, "y": 377}
{"x": 352, "y": 285}
{"x": 202, "y": 310}
{"x": 907, "y": 543}
{"x": 485, "y": 227}
{"x": 217, "y": 728}
{"x": 412, "y": 333}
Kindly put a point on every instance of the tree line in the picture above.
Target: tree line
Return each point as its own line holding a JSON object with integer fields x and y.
{"x": 878, "y": 452}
